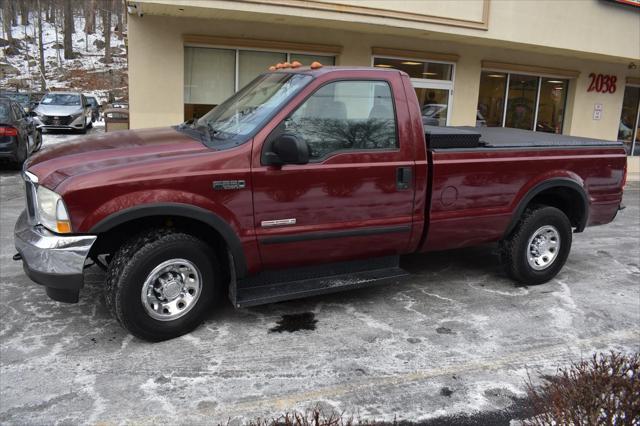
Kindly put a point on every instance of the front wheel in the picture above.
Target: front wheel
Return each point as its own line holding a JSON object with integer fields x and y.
{"x": 539, "y": 246}
{"x": 160, "y": 284}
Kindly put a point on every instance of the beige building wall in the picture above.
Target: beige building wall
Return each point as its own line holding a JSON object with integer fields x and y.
{"x": 586, "y": 36}
{"x": 156, "y": 50}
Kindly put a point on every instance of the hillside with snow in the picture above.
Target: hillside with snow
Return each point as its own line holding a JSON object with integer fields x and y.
{"x": 87, "y": 72}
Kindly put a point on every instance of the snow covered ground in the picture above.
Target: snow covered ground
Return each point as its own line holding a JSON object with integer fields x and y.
{"x": 56, "y": 137}
{"x": 56, "y": 67}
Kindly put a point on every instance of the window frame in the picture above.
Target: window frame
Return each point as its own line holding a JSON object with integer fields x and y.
{"x": 428, "y": 83}
{"x": 237, "y": 50}
{"x": 539, "y": 77}
{"x": 278, "y": 129}
{"x": 636, "y": 123}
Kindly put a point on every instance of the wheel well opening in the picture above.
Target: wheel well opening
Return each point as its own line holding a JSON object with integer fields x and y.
{"x": 565, "y": 199}
{"x": 109, "y": 241}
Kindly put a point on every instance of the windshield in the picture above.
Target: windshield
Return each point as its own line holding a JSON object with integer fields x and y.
{"x": 236, "y": 119}
{"x": 92, "y": 102}
{"x": 5, "y": 115}
{"x": 21, "y": 98}
{"x": 65, "y": 99}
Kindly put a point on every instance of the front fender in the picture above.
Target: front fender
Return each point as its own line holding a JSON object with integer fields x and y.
{"x": 171, "y": 203}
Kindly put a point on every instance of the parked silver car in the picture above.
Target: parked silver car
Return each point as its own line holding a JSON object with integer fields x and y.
{"x": 64, "y": 110}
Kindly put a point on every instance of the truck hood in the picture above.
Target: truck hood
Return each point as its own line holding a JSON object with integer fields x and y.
{"x": 131, "y": 148}
{"x": 61, "y": 110}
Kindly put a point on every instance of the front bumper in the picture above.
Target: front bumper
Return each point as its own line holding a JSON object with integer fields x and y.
{"x": 52, "y": 260}
{"x": 62, "y": 122}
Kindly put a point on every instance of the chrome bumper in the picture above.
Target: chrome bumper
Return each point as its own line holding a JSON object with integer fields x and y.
{"x": 55, "y": 261}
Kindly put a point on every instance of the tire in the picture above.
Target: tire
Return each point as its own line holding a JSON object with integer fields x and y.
{"x": 133, "y": 266}
{"x": 38, "y": 141}
{"x": 538, "y": 248}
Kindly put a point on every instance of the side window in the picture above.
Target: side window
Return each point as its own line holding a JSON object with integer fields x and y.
{"x": 17, "y": 111}
{"x": 346, "y": 115}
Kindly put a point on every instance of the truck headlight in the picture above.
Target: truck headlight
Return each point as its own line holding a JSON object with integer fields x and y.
{"x": 52, "y": 211}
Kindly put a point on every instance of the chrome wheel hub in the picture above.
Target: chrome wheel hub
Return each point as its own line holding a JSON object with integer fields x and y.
{"x": 171, "y": 289}
{"x": 543, "y": 247}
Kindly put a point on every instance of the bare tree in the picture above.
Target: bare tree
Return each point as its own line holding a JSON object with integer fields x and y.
{"x": 6, "y": 19}
{"x": 55, "y": 30}
{"x": 106, "y": 30}
{"x": 68, "y": 30}
{"x": 50, "y": 11}
{"x": 117, "y": 8}
{"x": 43, "y": 81}
{"x": 24, "y": 12}
{"x": 14, "y": 14}
{"x": 89, "y": 16}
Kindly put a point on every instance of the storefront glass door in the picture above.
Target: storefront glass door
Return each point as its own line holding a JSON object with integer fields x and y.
{"x": 434, "y": 104}
{"x": 628, "y": 131}
{"x": 433, "y": 82}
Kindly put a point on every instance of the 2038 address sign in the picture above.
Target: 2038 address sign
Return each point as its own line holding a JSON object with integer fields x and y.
{"x": 602, "y": 83}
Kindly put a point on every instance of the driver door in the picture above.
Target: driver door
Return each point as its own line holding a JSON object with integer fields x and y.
{"x": 354, "y": 198}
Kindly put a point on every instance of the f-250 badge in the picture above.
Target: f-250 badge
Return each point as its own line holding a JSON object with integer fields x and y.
{"x": 221, "y": 185}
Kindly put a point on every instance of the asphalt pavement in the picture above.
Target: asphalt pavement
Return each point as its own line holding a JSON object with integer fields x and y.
{"x": 456, "y": 338}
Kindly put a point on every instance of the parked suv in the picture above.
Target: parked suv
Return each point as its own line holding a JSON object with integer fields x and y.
{"x": 64, "y": 110}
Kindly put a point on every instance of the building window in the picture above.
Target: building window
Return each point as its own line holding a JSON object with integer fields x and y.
{"x": 211, "y": 75}
{"x": 346, "y": 115}
{"x": 493, "y": 86}
{"x": 551, "y": 105}
{"x": 532, "y": 102}
{"x": 209, "y": 78}
{"x": 433, "y": 83}
{"x": 629, "y": 129}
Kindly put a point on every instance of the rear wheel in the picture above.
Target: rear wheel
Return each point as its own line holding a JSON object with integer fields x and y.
{"x": 161, "y": 283}
{"x": 539, "y": 246}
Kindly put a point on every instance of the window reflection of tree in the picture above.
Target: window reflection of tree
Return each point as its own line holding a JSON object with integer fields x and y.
{"x": 326, "y": 135}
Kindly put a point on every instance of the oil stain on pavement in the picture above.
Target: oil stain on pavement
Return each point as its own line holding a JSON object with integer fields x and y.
{"x": 295, "y": 322}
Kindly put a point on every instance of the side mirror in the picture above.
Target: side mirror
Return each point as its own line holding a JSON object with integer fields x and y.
{"x": 288, "y": 149}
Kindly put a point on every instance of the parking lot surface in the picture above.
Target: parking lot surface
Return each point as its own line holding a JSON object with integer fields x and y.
{"x": 456, "y": 337}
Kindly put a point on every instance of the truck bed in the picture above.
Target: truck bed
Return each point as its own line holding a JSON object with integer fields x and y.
{"x": 480, "y": 175}
{"x": 465, "y": 137}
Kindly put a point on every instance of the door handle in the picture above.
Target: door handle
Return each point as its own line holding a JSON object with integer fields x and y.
{"x": 403, "y": 178}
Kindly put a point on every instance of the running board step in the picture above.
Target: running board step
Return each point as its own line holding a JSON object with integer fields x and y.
{"x": 277, "y": 286}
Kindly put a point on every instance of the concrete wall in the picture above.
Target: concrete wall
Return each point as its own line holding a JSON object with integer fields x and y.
{"x": 590, "y": 27}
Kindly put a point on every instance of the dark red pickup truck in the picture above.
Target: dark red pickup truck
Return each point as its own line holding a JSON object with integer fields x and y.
{"x": 304, "y": 182}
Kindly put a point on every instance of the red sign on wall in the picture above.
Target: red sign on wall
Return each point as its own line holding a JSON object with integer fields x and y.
{"x": 602, "y": 83}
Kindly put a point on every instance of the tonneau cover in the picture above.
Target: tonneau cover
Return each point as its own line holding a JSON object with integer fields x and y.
{"x": 504, "y": 137}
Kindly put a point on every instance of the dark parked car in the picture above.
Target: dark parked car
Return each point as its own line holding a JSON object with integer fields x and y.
{"x": 95, "y": 107}
{"x": 65, "y": 111}
{"x": 19, "y": 136}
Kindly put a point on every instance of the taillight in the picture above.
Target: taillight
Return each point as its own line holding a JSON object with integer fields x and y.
{"x": 624, "y": 173}
{"x": 8, "y": 131}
